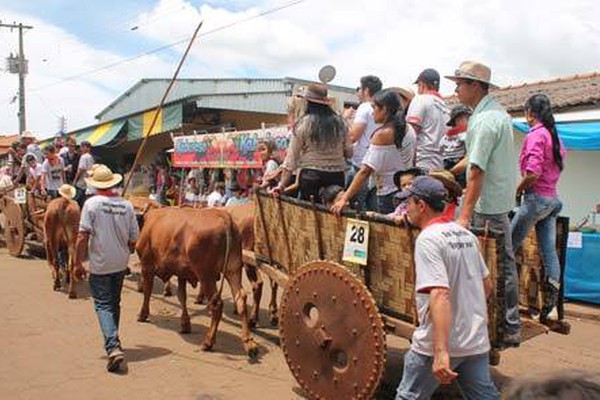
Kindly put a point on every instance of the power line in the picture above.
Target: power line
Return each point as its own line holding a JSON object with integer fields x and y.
{"x": 173, "y": 44}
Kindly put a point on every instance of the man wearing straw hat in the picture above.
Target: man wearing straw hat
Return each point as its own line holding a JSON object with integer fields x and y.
{"x": 491, "y": 176}
{"x": 108, "y": 228}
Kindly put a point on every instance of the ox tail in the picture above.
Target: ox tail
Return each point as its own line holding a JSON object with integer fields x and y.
{"x": 228, "y": 238}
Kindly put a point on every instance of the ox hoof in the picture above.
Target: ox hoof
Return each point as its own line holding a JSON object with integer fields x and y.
{"x": 187, "y": 328}
{"x": 274, "y": 320}
{"x": 251, "y": 349}
{"x": 206, "y": 346}
{"x": 72, "y": 295}
{"x": 56, "y": 287}
{"x": 142, "y": 318}
{"x": 167, "y": 293}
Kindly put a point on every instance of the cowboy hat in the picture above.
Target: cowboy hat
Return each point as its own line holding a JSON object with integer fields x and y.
{"x": 67, "y": 191}
{"x": 28, "y": 135}
{"x": 449, "y": 181}
{"x": 474, "y": 71}
{"x": 406, "y": 93}
{"x": 103, "y": 178}
{"x": 315, "y": 93}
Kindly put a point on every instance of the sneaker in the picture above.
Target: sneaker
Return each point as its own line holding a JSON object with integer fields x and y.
{"x": 115, "y": 360}
{"x": 512, "y": 339}
{"x": 553, "y": 314}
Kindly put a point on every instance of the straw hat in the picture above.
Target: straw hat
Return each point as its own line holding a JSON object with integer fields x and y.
{"x": 102, "y": 177}
{"x": 28, "y": 135}
{"x": 315, "y": 93}
{"x": 449, "y": 181}
{"x": 67, "y": 191}
{"x": 406, "y": 93}
{"x": 474, "y": 71}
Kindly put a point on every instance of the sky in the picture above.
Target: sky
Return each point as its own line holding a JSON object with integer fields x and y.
{"x": 84, "y": 54}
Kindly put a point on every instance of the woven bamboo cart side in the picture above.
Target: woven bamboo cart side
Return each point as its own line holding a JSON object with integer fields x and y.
{"x": 390, "y": 273}
{"x": 531, "y": 271}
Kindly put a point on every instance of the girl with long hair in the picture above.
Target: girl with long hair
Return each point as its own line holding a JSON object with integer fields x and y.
{"x": 542, "y": 160}
{"x": 318, "y": 148}
{"x": 392, "y": 149}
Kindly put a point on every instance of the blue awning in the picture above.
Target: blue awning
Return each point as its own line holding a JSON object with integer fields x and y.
{"x": 583, "y": 135}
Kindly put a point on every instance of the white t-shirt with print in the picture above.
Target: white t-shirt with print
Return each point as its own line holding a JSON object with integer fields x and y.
{"x": 85, "y": 163}
{"x": 431, "y": 114}
{"x": 35, "y": 172}
{"x": 453, "y": 147}
{"x": 364, "y": 115}
{"x": 53, "y": 174}
{"x": 447, "y": 255}
{"x": 111, "y": 222}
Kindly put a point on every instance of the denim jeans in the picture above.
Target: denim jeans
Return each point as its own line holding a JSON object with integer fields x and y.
{"x": 500, "y": 222}
{"x": 359, "y": 201}
{"x": 474, "y": 380}
{"x": 106, "y": 291}
{"x": 385, "y": 204}
{"x": 540, "y": 211}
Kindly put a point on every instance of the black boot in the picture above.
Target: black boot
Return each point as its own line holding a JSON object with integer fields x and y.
{"x": 551, "y": 292}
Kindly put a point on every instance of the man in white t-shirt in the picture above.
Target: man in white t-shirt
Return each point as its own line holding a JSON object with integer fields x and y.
{"x": 53, "y": 172}
{"x": 428, "y": 115}
{"x": 361, "y": 131}
{"x": 452, "y": 284}
{"x": 215, "y": 199}
{"x": 107, "y": 232}
{"x": 85, "y": 164}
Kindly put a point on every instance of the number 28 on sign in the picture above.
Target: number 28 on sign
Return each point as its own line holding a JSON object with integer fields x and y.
{"x": 356, "y": 244}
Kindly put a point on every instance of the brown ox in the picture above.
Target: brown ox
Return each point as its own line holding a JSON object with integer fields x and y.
{"x": 196, "y": 245}
{"x": 61, "y": 223}
{"x": 243, "y": 215}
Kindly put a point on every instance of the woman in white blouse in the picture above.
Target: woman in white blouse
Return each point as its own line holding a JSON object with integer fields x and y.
{"x": 392, "y": 149}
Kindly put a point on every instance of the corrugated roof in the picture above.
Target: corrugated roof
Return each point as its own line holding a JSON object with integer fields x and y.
{"x": 6, "y": 141}
{"x": 267, "y": 94}
{"x": 566, "y": 93}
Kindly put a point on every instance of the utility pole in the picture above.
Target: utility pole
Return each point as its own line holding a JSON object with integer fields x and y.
{"x": 19, "y": 65}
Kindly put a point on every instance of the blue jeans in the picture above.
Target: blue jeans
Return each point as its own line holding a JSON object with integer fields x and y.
{"x": 359, "y": 201}
{"x": 540, "y": 211}
{"x": 500, "y": 222}
{"x": 106, "y": 291}
{"x": 474, "y": 380}
{"x": 385, "y": 204}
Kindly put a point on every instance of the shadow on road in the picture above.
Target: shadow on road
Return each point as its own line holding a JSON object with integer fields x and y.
{"x": 144, "y": 353}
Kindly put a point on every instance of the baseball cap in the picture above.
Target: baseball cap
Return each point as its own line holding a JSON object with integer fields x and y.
{"x": 430, "y": 76}
{"x": 456, "y": 112}
{"x": 427, "y": 188}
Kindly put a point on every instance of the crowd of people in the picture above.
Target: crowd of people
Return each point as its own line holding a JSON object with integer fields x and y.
{"x": 415, "y": 160}
{"x": 44, "y": 170}
{"x": 406, "y": 156}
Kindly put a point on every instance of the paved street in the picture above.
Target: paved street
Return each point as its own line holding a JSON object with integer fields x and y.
{"x": 52, "y": 348}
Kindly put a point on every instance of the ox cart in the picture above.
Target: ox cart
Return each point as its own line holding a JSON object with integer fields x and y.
{"x": 23, "y": 214}
{"x": 334, "y": 315}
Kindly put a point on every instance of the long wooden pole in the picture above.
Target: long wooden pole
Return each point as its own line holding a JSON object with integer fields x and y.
{"x": 160, "y": 106}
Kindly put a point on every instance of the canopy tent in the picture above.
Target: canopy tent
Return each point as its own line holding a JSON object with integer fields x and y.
{"x": 100, "y": 135}
{"x": 583, "y": 135}
{"x": 169, "y": 119}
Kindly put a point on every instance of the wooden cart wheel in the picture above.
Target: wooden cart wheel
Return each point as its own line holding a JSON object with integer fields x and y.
{"x": 15, "y": 229}
{"x": 331, "y": 333}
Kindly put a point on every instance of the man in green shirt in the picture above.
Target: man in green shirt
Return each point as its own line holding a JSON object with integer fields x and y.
{"x": 491, "y": 176}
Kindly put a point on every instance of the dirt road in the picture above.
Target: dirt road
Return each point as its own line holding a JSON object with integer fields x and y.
{"x": 52, "y": 348}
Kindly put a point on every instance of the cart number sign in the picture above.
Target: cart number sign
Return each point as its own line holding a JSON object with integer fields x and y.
{"x": 356, "y": 245}
{"x": 20, "y": 196}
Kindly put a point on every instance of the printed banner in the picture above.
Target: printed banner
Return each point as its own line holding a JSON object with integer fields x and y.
{"x": 227, "y": 150}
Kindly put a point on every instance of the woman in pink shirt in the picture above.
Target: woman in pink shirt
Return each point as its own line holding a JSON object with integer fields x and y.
{"x": 541, "y": 161}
